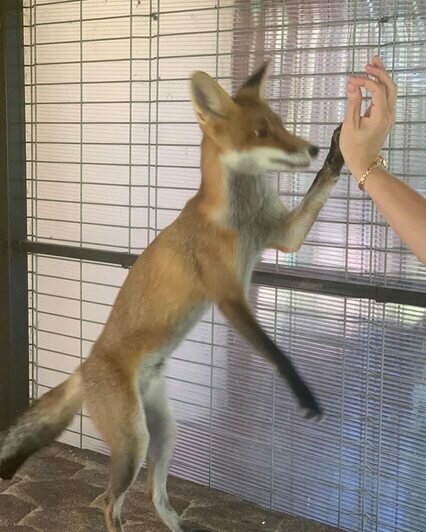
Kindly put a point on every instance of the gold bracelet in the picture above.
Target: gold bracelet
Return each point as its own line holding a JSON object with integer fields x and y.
{"x": 378, "y": 162}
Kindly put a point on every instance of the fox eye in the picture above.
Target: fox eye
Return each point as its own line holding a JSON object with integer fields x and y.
{"x": 262, "y": 133}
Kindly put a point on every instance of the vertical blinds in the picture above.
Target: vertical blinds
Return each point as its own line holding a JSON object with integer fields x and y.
{"x": 112, "y": 157}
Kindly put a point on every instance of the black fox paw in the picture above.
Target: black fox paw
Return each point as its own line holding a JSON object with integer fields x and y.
{"x": 335, "y": 159}
{"x": 310, "y": 408}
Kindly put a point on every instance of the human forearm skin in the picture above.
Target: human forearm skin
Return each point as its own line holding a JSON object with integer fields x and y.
{"x": 403, "y": 208}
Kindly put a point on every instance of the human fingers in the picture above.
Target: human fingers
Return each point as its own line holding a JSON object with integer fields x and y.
{"x": 378, "y": 93}
{"x": 353, "y": 109}
{"x": 376, "y": 61}
{"x": 391, "y": 87}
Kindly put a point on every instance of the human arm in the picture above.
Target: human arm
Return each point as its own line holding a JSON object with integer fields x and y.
{"x": 403, "y": 208}
{"x": 361, "y": 140}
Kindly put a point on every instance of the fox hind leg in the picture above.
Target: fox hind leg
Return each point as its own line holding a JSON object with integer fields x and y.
{"x": 120, "y": 419}
{"x": 162, "y": 429}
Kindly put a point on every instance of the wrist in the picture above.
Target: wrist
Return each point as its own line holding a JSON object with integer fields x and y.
{"x": 359, "y": 167}
{"x": 378, "y": 163}
{"x": 357, "y": 171}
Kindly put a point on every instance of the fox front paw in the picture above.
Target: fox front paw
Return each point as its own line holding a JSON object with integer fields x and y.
{"x": 309, "y": 408}
{"x": 334, "y": 158}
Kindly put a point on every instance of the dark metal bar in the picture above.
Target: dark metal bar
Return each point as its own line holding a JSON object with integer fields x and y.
{"x": 352, "y": 289}
{"x": 126, "y": 260}
{"x": 290, "y": 280}
{"x": 14, "y": 376}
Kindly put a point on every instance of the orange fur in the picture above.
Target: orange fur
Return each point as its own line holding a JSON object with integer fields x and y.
{"x": 205, "y": 256}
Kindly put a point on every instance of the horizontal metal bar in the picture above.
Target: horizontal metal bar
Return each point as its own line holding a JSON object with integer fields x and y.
{"x": 213, "y": 54}
{"x": 320, "y": 219}
{"x": 272, "y": 77}
{"x": 106, "y": 183}
{"x": 308, "y": 243}
{"x": 126, "y": 260}
{"x": 289, "y": 280}
{"x": 170, "y": 145}
{"x": 309, "y": 24}
{"x": 185, "y": 122}
{"x": 77, "y": 20}
{"x": 83, "y": 41}
{"x": 93, "y": 224}
{"x": 352, "y": 289}
{"x": 88, "y": 61}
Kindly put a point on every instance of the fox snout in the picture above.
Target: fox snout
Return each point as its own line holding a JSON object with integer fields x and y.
{"x": 287, "y": 151}
{"x": 313, "y": 151}
{"x": 265, "y": 159}
{"x": 285, "y": 159}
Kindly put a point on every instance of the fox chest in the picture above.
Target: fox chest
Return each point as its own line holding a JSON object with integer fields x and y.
{"x": 253, "y": 211}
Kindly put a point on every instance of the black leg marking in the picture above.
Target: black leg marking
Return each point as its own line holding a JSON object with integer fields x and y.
{"x": 334, "y": 158}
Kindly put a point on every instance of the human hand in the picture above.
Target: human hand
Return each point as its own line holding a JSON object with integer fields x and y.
{"x": 362, "y": 137}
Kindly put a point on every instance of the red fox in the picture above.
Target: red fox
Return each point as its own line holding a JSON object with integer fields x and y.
{"x": 206, "y": 256}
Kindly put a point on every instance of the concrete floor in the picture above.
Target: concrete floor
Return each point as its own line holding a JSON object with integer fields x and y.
{"x": 57, "y": 488}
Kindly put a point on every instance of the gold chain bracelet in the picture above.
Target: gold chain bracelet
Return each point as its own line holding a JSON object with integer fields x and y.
{"x": 378, "y": 162}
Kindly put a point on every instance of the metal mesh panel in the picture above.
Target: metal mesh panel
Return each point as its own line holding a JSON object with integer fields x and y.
{"x": 113, "y": 155}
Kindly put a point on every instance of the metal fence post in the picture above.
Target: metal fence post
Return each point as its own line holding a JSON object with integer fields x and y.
{"x": 14, "y": 389}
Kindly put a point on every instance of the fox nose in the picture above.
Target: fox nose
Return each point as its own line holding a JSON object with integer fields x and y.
{"x": 313, "y": 151}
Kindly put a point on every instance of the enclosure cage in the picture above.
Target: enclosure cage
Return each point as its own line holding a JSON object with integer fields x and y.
{"x": 100, "y": 151}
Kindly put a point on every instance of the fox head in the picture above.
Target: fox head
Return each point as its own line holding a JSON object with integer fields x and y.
{"x": 249, "y": 135}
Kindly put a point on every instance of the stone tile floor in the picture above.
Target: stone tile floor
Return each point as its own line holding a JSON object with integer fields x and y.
{"x": 57, "y": 488}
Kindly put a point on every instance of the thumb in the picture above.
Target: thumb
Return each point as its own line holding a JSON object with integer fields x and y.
{"x": 353, "y": 110}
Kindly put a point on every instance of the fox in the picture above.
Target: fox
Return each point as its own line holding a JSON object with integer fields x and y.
{"x": 204, "y": 258}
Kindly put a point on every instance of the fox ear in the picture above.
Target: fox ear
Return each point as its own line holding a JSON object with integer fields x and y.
{"x": 256, "y": 83}
{"x": 209, "y": 100}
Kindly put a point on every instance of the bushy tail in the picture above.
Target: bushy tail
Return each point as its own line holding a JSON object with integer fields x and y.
{"x": 40, "y": 425}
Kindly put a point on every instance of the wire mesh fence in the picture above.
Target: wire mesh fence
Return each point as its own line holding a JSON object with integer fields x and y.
{"x": 112, "y": 157}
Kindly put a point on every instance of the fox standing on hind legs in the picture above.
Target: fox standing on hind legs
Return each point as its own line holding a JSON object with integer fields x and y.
{"x": 205, "y": 257}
